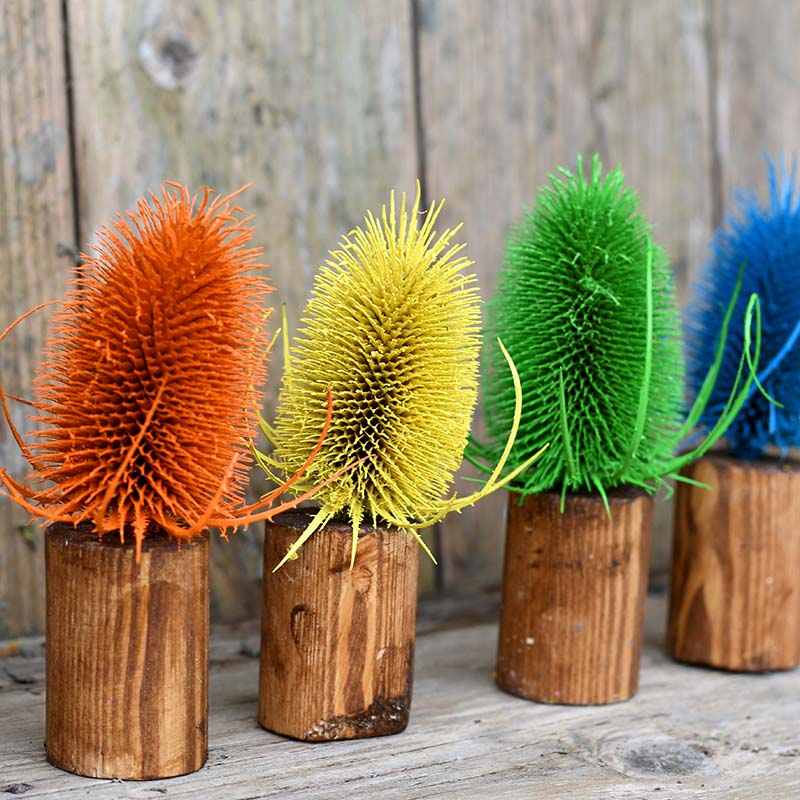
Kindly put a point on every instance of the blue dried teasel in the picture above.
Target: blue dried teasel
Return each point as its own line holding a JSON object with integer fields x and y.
{"x": 762, "y": 243}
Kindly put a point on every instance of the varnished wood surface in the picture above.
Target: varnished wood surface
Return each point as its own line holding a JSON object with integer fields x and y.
{"x": 127, "y": 655}
{"x": 574, "y": 586}
{"x": 735, "y": 594}
{"x": 337, "y": 654}
{"x": 689, "y": 733}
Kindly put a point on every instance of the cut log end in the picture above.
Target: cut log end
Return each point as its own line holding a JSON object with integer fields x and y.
{"x": 127, "y": 655}
{"x": 573, "y": 597}
{"x": 337, "y": 644}
{"x": 735, "y": 598}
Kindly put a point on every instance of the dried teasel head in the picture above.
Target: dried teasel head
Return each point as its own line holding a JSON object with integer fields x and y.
{"x": 148, "y": 391}
{"x": 764, "y": 238}
{"x": 586, "y": 307}
{"x": 393, "y": 329}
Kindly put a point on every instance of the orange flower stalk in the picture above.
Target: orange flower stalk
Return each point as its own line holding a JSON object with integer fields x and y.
{"x": 149, "y": 388}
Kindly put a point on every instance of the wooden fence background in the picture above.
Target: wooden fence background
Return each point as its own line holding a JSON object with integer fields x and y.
{"x": 325, "y": 106}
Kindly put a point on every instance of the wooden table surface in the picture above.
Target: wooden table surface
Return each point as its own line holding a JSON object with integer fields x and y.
{"x": 688, "y": 733}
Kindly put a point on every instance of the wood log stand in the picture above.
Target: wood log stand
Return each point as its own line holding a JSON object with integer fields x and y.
{"x": 127, "y": 655}
{"x": 574, "y": 587}
{"x": 735, "y": 588}
{"x": 337, "y": 645}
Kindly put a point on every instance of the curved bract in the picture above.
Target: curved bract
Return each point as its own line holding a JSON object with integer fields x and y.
{"x": 393, "y": 329}
{"x": 148, "y": 392}
{"x": 586, "y": 307}
{"x": 765, "y": 239}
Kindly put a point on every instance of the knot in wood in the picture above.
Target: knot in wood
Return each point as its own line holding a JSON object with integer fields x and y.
{"x": 169, "y": 57}
{"x": 362, "y": 579}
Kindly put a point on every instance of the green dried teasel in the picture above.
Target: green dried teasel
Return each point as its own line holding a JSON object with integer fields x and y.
{"x": 586, "y": 307}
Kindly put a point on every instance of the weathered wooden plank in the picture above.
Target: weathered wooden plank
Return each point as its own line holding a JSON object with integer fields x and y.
{"x": 689, "y": 733}
{"x": 36, "y": 243}
{"x": 315, "y": 104}
{"x": 312, "y": 102}
{"x": 511, "y": 90}
{"x": 754, "y": 56}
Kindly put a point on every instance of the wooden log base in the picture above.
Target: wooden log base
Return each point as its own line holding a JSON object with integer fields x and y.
{"x": 574, "y": 588}
{"x": 735, "y": 587}
{"x": 127, "y": 655}
{"x": 337, "y": 645}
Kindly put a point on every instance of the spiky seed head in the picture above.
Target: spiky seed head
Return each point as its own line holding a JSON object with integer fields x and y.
{"x": 392, "y": 328}
{"x": 572, "y": 308}
{"x": 149, "y": 384}
{"x": 765, "y": 238}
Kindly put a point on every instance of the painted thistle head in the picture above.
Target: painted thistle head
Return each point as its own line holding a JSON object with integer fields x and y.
{"x": 765, "y": 239}
{"x": 392, "y": 329}
{"x": 148, "y": 391}
{"x": 586, "y": 307}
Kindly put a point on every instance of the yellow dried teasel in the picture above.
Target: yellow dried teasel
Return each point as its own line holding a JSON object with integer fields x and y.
{"x": 393, "y": 329}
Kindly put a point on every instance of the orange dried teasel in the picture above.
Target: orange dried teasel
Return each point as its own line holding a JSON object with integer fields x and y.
{"x": 149, "y": 388}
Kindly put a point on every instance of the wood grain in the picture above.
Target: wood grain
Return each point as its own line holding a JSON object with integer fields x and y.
{"x": 735, "y": 597}
{"x": 311, "y": 102}
{"x": 127, "y": 655}
{"x": 574, "y": 587}
{"x": 752, "y": 45}
{"x": 337, "y": 645}
{"x": 317, "y": 105}
{"x": 37, "y": 243}
{"x": 691, "y": 733}
{"x": 510, "y": 91}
